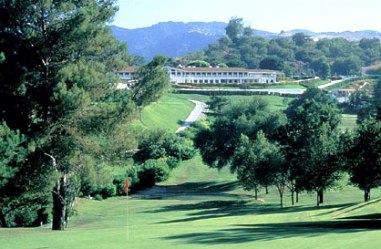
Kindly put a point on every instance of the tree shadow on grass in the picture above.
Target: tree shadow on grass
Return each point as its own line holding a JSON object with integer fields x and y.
{"x": 203, "y": 187}
{"x": 218, "y": 209}
{"x": 275, "y": 231}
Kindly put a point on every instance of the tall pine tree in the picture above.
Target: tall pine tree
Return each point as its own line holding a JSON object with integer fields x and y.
{"x": 58, "y": 76}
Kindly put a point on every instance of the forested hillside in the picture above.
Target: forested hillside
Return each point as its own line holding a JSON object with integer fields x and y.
{"x": 297, "y": 56}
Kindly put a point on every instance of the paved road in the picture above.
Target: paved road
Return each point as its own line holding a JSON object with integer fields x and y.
{"x": 333, "y": 82}
{"x": 196, "y": 114}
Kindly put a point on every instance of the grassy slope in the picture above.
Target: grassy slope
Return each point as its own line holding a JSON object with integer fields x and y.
{"x": 200, "y": 207}
{"x": 205, "y": 208}
{"x": 167, "y": 113}
{"x": 172, "y": 109}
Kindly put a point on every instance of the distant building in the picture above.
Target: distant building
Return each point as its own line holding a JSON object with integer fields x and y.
{"x": 128, "y": 77}
{"x": 222, "y": 75}
{"x": 210, "y": 75}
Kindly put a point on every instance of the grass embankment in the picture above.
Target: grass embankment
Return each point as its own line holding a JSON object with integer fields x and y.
{"x": 201, "y": 207}
{"x": 167, "y": 113}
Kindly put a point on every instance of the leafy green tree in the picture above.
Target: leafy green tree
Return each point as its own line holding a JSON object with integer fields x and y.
{"x": 272, "y": 63}
{"x": 371, "y": 49}
{"x": 217, "y": 103}
{"x": 347, "y": 66}
{"x": 218, "y": 142}
{"x": 235, "y": 28}
{"x": 300, "y": 39}
{"x": 364, "y": 156}
{"x": 199, "y": 63}
{"x": 152, "y": 172}
{"x": 312, "y": 141}
{"x": 321, "y": 68}
{"x": 165, "y": 146}
{"x": 259, "y": 162}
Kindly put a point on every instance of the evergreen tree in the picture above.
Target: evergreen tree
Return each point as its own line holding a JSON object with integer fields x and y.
{"x": 58, "y": 84}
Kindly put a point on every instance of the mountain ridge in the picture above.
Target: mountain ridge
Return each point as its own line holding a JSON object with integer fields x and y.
{"x": 176, "y": 39}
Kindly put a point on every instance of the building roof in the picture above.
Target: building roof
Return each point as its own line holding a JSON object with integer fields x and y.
{"x": 129, "y": 70}
{"x": 208, "y": 69}
{"x": 225, "y": 69}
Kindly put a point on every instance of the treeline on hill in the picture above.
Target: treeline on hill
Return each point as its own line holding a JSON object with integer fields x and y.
{"x": 300, "y": 149}
{"x": 64, "y": 127}
{"x": 298, "y": 56}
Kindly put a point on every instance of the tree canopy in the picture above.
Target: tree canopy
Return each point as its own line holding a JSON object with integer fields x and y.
{"x": 59, "y": 101}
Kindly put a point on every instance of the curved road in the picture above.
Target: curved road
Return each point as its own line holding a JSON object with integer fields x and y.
{"x": 196, "y": 114}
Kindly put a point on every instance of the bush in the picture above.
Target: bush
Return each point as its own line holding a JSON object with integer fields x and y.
{"x": 119, "y": 181}
{"x": 172, "y": 162}
{"x": 108, "y": 191}
{"x": 152, "y": 172}
{"x": 98, "y": 197}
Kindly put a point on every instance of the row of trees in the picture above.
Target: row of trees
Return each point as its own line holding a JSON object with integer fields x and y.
{"x": 297, "y": 56}
{"x": 300, "y": 149}
{"x": 62, "y": 119}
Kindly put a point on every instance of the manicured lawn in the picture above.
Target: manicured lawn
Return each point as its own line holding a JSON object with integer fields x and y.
{"x": 168, "y": 113}
{"x": 205, "y": 208}
{"x": 200, "y": 207}
{"x": 171, "y": 110}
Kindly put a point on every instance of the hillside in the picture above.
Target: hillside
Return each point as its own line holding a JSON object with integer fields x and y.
{"x": 172, "y": 39}
{"x": 176, "y": 39}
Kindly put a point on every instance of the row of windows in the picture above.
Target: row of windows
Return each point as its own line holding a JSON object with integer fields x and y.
{"x": 208, "y": 74}
{"x": 234, "y": 81}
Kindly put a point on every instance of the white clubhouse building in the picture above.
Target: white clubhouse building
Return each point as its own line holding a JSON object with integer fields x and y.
{"x": 211, "y": 75}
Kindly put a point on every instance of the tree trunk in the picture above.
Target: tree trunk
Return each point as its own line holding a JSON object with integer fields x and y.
{"x": 3, "y": 222}
{"x": 292, "y": 197}
{"x": 317, "y": 198}
{"x": 59, "y": 204}
{"x": 321, "y": 196}
{"x": 281, "y": 193}
{"x": 367, "y": 194}
{"x": 297, "y": 196}
{"x": 267, "y": 190}
{"x": 256, "y": 193}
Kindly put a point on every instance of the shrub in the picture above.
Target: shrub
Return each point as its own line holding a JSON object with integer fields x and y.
{"x": 98, "y": 197}
{"x": 108, "y": 191}
{"x": 119, "y": 181}
{"x": 153, "y": 171}
{"x": 172, "y": 162}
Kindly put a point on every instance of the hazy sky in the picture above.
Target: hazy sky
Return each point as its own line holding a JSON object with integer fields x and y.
{"x": 269, "y": 15}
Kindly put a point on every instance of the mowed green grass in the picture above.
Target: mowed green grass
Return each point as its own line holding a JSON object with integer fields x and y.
{"x": 171, "y": 109}
{"x": 167, "y": 113}
{"x": 199, "y": 207}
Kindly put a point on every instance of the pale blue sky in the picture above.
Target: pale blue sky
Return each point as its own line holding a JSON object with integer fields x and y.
{"x": 269, "y": 15}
